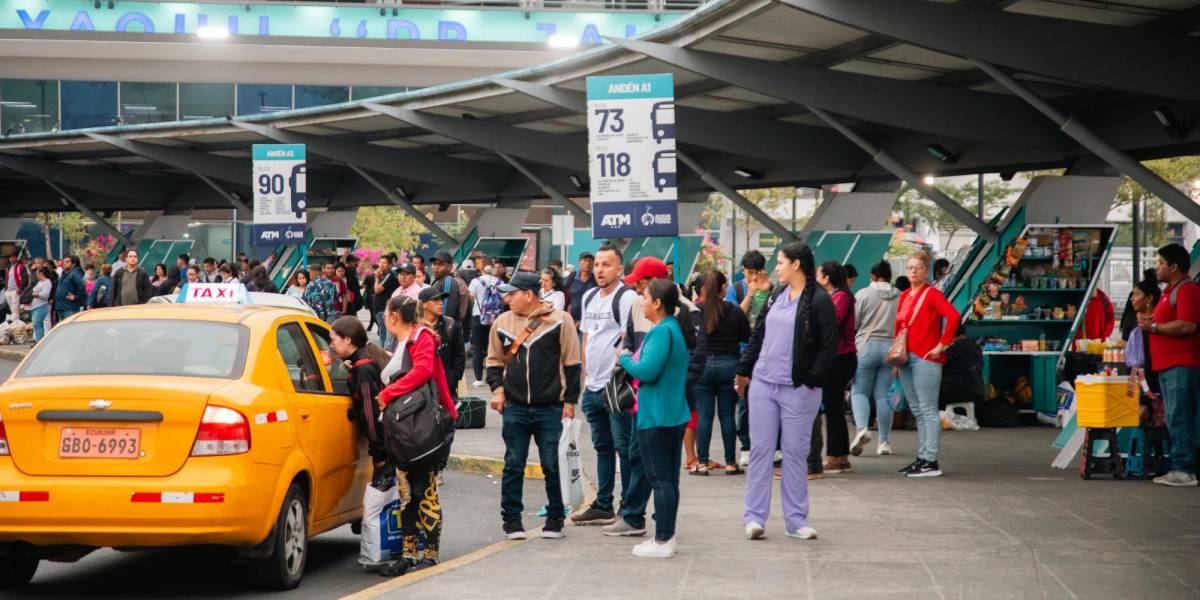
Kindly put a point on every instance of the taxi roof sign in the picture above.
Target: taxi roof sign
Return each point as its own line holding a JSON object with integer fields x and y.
{"x": 213, "y": 293}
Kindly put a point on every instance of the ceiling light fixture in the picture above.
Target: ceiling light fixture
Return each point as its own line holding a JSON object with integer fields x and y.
{"x": 1169, "y": 122}
{"x": 940, "y": 152}
{"x": 928, "y": 180}
{"x": 746, "y": 173}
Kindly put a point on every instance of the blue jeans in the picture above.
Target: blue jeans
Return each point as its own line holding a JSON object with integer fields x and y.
{"x": 65, "y": 314}
{"x": 873, "y": 379}
{"x": 922, "y": 382}
{"x": 544, "y": 425}
{"x": 39, "y": 321}
{"x": 663, "y": 451}
{"x": 743, "y": 422}
{"x": 381, "y": 326}
{"x": 1181, "y": 394}
{"x": 714, "y": 392}
{"x": 613, "y": 439}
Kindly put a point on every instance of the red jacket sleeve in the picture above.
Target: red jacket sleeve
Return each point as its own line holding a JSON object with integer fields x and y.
{"x": 423, "y": 353}
{"x": 946, "y": 310}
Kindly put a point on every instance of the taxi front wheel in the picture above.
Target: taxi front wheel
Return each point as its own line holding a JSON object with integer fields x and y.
{"x": 283, "y": 569}
{"x": 18, "y": 563}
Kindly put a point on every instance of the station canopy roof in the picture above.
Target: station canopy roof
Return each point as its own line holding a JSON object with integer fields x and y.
{"x": 753, "y": 80}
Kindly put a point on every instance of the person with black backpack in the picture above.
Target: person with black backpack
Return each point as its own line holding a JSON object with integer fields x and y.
{"x": 415, "y": 369}
{"x": 604, "y": 309}
{"x": 487, "y": 305}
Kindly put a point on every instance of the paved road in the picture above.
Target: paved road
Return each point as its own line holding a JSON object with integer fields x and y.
{"x": 470, "y": 505}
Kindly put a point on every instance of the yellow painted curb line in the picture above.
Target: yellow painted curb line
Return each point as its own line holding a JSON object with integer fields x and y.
{"x": 405, "y": 580}
{"x": 482, "y": 465}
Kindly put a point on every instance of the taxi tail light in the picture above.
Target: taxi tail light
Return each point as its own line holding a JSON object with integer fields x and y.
{"x": 3, "y": 438}
{"x": 223, "y": 431}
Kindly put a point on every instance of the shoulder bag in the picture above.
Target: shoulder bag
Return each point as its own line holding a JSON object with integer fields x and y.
{"x": 417, "y": 428}
{"x": 897, "y": 355}
{"x": 619, "y": 395}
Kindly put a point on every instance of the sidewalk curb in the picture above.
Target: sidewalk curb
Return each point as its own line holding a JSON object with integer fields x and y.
{"x": 482, "y": 465}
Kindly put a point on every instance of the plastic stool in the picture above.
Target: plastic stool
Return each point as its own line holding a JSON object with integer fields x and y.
{"x": 968, "y": 409}
{"x": 1135, "y": 461}
{"x": 1092, "y": 463}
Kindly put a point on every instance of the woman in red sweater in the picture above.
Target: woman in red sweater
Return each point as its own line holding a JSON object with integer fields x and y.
{"x": 423, "y": 512}
{"x": 922, "y": 311}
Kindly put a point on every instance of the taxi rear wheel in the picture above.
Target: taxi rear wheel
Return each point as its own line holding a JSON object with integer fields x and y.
{"x": 18, "y": 563}
{"x": 283, "y": 569}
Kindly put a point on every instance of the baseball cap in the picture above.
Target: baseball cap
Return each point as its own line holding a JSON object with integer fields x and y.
{"x": 647, "y": 267}
{"x": 442, "y": 256}
{"x": 523, "y": 280}
{"x": 408, "y": 268}
{"x": 583, "y": 255}
{"x": 431, "y": 293}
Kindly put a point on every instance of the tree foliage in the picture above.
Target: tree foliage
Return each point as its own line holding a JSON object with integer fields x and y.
{"x": 1180, "y": 172}
{"x": 770, "y": 200}
{"x": 71, "y": 226}
{"x": 387, "y": 228}
{"x": 912, "y": 204}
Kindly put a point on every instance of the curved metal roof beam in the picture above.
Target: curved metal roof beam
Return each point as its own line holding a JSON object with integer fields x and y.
{"x": 226, "y": 169}
{"x": 102, "y": 181}
{"x": 927, "y": 108}
{"x": 1104, "y": 55}
{"x": 406, "y": 164}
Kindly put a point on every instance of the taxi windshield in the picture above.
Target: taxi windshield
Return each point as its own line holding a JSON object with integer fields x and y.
{"x": 141, "y": 347}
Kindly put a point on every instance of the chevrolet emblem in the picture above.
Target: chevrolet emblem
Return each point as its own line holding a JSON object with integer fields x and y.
{"x": 99, "y": 404}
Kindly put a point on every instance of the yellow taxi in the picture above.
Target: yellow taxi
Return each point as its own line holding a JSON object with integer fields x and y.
{"x": 178, "y": 424}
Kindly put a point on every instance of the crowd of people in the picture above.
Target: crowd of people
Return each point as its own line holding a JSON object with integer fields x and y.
{"x": 653, "y": 366}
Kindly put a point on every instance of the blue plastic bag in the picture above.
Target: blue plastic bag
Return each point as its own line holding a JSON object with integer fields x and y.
{"x": 896, "y": 397}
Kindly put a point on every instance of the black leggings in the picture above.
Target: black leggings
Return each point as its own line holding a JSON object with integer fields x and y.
{"x": 479, "y": 346}
{"x": 833, "y": 396}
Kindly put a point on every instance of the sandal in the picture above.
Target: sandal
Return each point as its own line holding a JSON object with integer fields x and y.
{"x": 733, "y": 469}
{"x": 701, "y": 470}
{"x": 714, "y": 465}
{"x": 693, "y": 466}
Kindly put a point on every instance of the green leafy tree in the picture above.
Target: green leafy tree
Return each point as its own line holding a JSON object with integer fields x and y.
{"x": 387, "y": 228}
{"x": 71, "y": 226}
{"x": 1180, "y": 172}
{"x": 912, "y": 204}
{"x": 770, "y": 200}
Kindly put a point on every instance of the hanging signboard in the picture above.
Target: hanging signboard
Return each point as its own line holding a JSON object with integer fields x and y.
{"x": 280, "y": 194}
{"x": 631, "y": 156}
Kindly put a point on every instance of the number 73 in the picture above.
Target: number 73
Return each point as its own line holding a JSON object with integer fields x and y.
{"x": 617, "y": 124}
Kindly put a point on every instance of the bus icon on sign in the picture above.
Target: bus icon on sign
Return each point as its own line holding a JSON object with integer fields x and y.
{"x": 662, "y": 121}
{"x": 664, "y": 170}
{"x": 299, "y": 184}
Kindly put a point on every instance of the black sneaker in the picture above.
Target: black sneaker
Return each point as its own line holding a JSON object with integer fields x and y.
{"x": 593, "y": 516}
{"x": 514, "y": 530}
{"x": 553, "y": 529}
{"x": 424, "y": 563}
{"x": 926, "y": 469}
{"x": 910, "y": 467}
{"x": 395, "y": 568}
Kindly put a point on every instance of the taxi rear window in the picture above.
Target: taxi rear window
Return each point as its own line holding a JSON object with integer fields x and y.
{"x": 141, "y": 347}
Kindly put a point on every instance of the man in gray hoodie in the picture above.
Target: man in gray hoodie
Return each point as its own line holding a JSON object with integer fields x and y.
{"x": 875, "y": 313}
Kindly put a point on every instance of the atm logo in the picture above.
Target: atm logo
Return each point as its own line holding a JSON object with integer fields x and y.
{"x": 616, "y": 220}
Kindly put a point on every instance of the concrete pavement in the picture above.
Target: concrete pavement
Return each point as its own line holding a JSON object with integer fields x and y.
{"x": 1000, "y": 524}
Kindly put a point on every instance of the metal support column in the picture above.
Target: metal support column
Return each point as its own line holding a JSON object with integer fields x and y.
{"x": 1088, "y": 139}
{"x": 980, "y": 192}
{"x": 737, "y": 199}
{"x": 231, "y": 197}
{"x": 1136, "y": 218}
{"x": 549, "y": 190}
{"x": 91, "y": 214}
{"x": 894, "y": 166}
{"x": 396, "y": 198}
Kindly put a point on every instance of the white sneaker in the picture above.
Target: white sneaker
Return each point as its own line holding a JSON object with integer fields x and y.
{"x": 478, "y": 383}
{"x": 804, "y": 533}
{"x": 744, "y": 458}
{"x": 754, "y": 531}
{"x": 654, "y": 549}
{"x": 860, "y": 440}
{"x": 1177, "y": 479}
{"x": 883, "y": 449}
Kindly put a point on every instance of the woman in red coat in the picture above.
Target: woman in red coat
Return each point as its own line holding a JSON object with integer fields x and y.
{"x": 931, "y": 322}
{"x": 423, "y": 512}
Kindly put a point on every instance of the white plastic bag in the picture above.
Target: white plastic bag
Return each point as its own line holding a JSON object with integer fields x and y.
{"x": 570, "y": 467}
{"x": 18, "y": 332}
{"x": 957, "y": 422}
{"x": 382, "y": 534}
{"x": 5, "y": 334}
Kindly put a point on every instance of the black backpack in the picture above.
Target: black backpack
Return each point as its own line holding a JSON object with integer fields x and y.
{"x": 417, "y": 428}
{"x": 616, "y": 301}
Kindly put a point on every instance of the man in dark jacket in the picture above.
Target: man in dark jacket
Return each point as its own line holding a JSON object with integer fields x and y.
{"x": 72, "y": 291}
{"x": 452, "y": 350}
{"x": 131, "y": 284}
{"x": 457, "y": 304}
{"x": 352, "y": 284}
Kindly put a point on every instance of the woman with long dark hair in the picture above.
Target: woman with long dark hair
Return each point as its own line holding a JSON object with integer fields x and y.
{"x": 831, "y": 276}
{"x": 789, "y": 355}
{"x": 157, "y": 281}
{"x": 365, "y": 365}
{"x": 297, "y": 284}
{"x": 260, "y": 281}
{"x": 662, "y": 409}
{"x": 552, "y": 289}
{"x": 417, "y": 349}
{"x": 724, "y": 328}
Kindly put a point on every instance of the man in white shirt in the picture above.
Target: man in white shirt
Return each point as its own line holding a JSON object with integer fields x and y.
{"x": 605, "y": 311}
